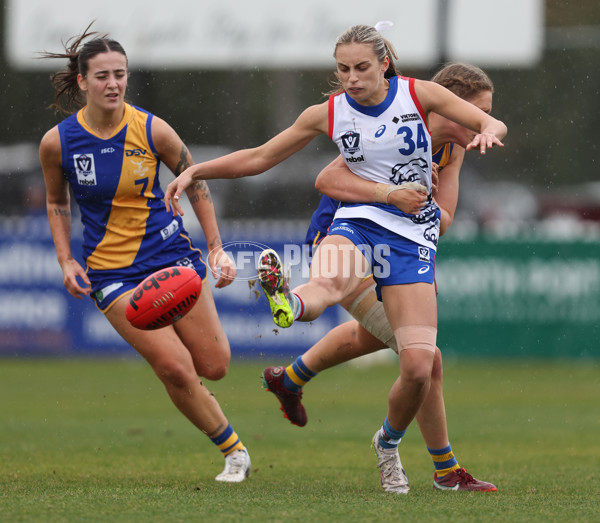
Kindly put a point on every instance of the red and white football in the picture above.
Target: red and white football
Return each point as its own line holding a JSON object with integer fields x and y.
{"x": 163, "y": 298}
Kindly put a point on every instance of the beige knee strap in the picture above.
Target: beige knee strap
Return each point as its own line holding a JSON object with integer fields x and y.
{"x": 370, "y": 314}
{"x": 421, "y": 337}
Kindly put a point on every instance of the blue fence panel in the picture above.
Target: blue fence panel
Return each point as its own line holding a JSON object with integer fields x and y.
{"x": 39, "y": 317}
{"x": 533, "y": 298}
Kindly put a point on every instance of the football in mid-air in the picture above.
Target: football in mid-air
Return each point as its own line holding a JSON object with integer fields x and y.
{"x": 163, "y": 298}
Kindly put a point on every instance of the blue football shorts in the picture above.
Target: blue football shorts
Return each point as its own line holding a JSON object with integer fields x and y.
{"x": 394, "y": 260}
{"x": 110, "y": 285}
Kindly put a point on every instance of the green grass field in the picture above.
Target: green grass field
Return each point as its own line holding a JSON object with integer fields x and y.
{"x": 98, "y": 440}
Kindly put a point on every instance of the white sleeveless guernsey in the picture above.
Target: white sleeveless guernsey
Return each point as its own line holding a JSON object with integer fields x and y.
{"x": 387, "y": 143}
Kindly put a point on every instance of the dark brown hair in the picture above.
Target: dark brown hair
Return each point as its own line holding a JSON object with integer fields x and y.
{"x": 67, "y": 95}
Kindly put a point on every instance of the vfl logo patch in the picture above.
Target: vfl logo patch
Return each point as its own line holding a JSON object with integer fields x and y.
{"x": 424, "y": 254}
{"x": 351, "y": 142}
{"x": 85, "y": 169}
{"x": 351, "y": 145}
{"x": 185, "y": 262}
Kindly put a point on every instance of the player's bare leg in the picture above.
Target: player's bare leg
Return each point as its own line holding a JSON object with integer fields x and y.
{"x": 174, "y": 366}
{"x": 431, "y": 417}
{"x": 203, "y": 335}
{"x": 337, "y": 269}
{"x": 343, "y": 343}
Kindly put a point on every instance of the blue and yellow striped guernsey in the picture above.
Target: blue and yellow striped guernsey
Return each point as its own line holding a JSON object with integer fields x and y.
{"x": 115, "y": 182}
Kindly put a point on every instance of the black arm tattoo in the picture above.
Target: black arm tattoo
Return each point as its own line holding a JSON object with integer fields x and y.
{"x": 214, "y": 242}
{"x": 62, "y": 212}
{"x": 202, "y": 191}
{"x": 183, "y": 163}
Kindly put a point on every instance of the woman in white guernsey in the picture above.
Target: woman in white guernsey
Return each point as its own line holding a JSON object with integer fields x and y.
{"x": 379, "y": 122}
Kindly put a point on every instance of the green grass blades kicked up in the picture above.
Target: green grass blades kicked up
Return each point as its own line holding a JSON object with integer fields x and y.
{"x": 99, "y": 440}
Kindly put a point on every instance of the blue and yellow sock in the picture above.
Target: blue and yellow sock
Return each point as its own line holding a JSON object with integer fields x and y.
{"x": 297, "y": 375}
{"x": 443, "y": 460}
{"x": 228, "y": 441}
{"x": 390, "y": 437}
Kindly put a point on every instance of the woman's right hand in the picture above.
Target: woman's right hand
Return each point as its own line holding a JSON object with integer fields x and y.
{"x": 408, "y": 201}
{"x": 174, "y": 191}
{"x": 71, "y": 271}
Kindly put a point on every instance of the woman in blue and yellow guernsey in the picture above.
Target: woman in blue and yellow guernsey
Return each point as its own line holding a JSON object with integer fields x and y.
{"x": 370, "y": 331}
{"x": 108, "y": 152}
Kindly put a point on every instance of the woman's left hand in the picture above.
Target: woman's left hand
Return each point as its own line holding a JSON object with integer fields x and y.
{"x": 222, "y": 267}
{"x": 483, "y": 142}
{"x": 174, "y": 191}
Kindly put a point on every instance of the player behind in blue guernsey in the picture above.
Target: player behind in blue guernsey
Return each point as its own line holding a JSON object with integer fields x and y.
{"x": 379, "y": 121}
{"x": 108, "y": 153}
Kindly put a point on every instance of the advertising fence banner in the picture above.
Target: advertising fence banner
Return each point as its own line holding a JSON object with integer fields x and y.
{"x": 518, "y": 298}
{"x": 496, "y": 298}
{"x": 39, "y": 317}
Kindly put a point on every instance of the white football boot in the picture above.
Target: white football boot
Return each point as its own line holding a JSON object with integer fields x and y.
{"x": 393, "y": 477}
{"x": 237, "y": 467}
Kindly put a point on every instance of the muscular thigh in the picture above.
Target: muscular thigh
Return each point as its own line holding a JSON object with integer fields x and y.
{"x": 156, "y": 346}
{"x": 202, "y": 333}
{"x": 410, "y": 304}
{"x": 339, "y": 265}
{"x": 365, "y": 287}
{"x": 197, "y": 339}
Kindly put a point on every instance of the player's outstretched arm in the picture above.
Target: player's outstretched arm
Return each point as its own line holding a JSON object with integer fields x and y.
{"x": 438, "y": 99}
{"x": 249, "y": 162}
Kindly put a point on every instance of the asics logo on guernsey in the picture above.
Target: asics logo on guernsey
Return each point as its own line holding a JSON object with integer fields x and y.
{"x": 423, "y": 269}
